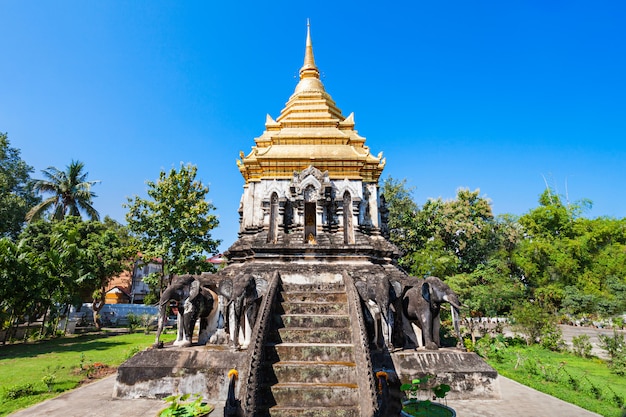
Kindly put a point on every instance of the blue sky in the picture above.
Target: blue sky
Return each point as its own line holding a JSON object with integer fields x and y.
{"x": 484, "y": 94}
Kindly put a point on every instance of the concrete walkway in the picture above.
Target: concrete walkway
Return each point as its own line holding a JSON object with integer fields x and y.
{"x": 95, "y": 400}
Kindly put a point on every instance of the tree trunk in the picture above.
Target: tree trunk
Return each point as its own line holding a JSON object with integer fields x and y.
{"x": 66, "y": 314}
{"x": 26, "y": 331}
{"x": 97, "y": 305}
{"x": 43, "y": 323}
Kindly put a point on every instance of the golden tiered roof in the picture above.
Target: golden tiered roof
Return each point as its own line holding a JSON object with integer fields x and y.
{"x": 310, "y": 131}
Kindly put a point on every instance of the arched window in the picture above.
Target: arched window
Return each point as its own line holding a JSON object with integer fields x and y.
{"x": 348, "y": 227}
{"x": 272, "y": 235}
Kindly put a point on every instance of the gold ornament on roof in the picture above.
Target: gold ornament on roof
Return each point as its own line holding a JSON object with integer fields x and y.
{"x": 310, "y": 130}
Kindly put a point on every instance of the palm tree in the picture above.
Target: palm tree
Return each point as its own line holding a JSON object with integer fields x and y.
{"x": 71, "y": 193}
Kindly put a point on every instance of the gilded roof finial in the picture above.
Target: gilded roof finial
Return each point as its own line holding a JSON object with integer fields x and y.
{"x": 309, "y": 74}
{"x": 309, "y": 69}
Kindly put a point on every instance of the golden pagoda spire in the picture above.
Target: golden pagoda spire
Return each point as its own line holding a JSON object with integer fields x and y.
{"x": 310, "y": 131}
{"x": 309, "y": 74}
{"x": 309, "y": 69}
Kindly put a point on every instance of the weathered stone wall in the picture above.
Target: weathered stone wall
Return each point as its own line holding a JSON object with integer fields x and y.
{"x": 158, "y": 373}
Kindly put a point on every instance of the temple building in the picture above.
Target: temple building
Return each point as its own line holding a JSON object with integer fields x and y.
{"x": 310, "y": 175}
{"x": 304, "y": 309}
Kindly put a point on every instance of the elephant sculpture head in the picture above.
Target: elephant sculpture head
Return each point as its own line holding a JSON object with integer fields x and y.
{"x": 194, "y": 301}
{"x": 381, "y": 301}
{"x": 421, "y": 307}
{"x": 242, "y": 294}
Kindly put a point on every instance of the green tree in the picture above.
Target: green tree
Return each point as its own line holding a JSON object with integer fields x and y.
{"x": 73, "y": 260}
{"x": 19, "y": 286}
{"x": 174, "y": 225}
{"x": 71, "y": 193}
{"x": 105, "y": 255}
{"x": 16, "y": 191}
{"x": 402, "y": 214}
{"x": 449, "y": 237}
{"x": 571, "y": 263}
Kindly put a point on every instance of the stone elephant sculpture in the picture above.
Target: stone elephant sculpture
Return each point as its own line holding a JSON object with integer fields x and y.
{"x": 195, "y": 301}
{"x": 382, "y": 299}
{"x": 421, "y": 305}
{"x": 243, "y": 295}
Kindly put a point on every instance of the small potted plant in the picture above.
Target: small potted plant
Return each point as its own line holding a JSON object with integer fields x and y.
{"x": 185, "y": 405}
{"x": 414, "y": 406}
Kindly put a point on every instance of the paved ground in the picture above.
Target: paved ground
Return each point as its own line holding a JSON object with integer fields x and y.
{"x": 95, "y": 399}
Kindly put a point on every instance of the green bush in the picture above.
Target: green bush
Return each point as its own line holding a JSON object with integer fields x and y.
{"x": 17, "y": 391}
{"x": 146, "y": 322}
{"x": 48, "y": 380}
{"x": 134, "y": 322}
{"x": 469, "y": 345}
{"x": 530, "y": 319}
{"x": 132, "y": 352}
{"x": 615, "y": 346}
{"x": 581, "y": 346}
{"x": 491, "y": 347}
{"x": 552, "y": 337}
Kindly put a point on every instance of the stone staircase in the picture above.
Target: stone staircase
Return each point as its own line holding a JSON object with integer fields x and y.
{"x": 310, "y": 366}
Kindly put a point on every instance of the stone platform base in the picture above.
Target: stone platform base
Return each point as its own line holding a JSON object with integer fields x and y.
{"x": 469, "y": 376}
{"x": 158, "y": 373}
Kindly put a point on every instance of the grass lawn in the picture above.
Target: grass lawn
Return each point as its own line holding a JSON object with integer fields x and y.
{"x": 65, "y": 361}
{"x": 587, "y": 383}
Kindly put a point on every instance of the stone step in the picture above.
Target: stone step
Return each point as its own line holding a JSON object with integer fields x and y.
{"x": 346, "y": 411}
{"x": 314, "y": 287}
{"x": 315, "y": 395}
{"x": 315, "y": 372}
{"x": 309, "y": 352}
{"x": 311, "y": 320}
{"x": 318, "y": 307}
{"x": 314, "y": 335}
{"x": 314, "y": 297}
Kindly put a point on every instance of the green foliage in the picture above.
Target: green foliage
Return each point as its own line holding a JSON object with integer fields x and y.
{"x": 56, "y": 264}
{"x": 16, "y": 391}
{"x": 49, "y": 379}
{"x": 423, "y": 407}
{"x": 132, "y": 352}
{"x": 616, "y": 399}
{"x": 146, "y": 321}
{"x": 488, "y": 291}
{"x": 552, "y": 337}
{"x": 174, "y": 224}
{"x": 29, "y": 363}
{"x": 134, "y": 321}
{"x": 587, "y": 383}
{"x": 552, "y": 254}
{"x": 581, "y": 346}
{"x": 530, "y": 319}
{"x": 185, "y": 405}
{"x": 615, "y": 346}
{"x": 71, "y": 193}
{"x": 412, "y": 389}
{"x": 491, "y": 347}
{"x": 154, "y": 281}
{"x": 16, "y": 192}
{"x": 441, "y": 390}
{"x": 403, "y": 227}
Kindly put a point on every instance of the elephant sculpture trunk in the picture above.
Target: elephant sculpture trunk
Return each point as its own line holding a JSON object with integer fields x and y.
{"x": 194, "y": 302}
{"x": 421, "y": 308}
